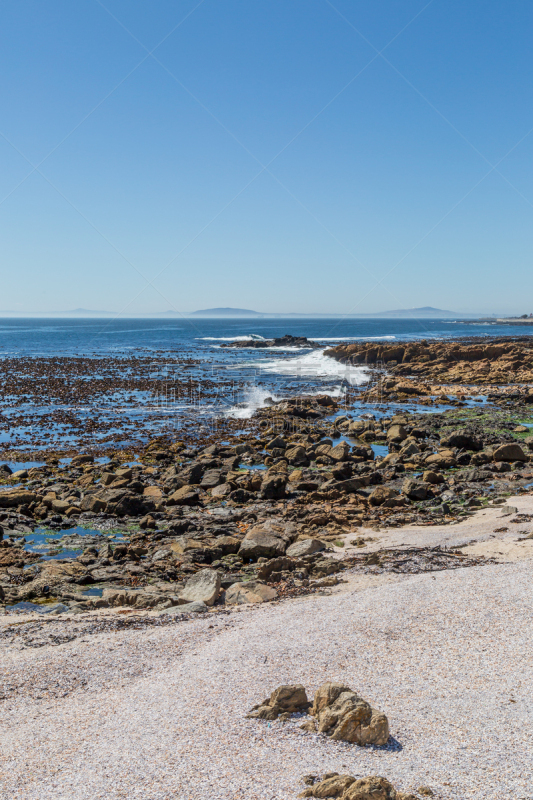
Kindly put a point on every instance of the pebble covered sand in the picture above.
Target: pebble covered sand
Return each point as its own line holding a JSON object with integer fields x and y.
{"x": 158, "y": 713}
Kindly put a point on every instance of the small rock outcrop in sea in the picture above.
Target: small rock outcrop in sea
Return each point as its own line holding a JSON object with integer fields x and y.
{"x": 285, "y": 700}
{"x": 345, "y": 787}
{"x": 282, "y": 341}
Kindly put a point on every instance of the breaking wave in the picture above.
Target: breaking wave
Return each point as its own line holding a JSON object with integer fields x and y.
{"x": 249, "y": 337}
{"x": 254, "y": 398}
{"x": 315, "y": 365}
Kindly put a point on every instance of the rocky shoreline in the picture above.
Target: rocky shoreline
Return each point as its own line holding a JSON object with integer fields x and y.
{"x": 267, "y": 513}
{"x": 325, "y": 526}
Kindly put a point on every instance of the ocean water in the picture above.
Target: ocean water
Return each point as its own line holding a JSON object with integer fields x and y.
{"x": 35, "y": 337}
{"x": 226, "y": 383}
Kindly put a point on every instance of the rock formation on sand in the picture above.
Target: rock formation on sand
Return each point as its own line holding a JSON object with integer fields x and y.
{"x": 345, "y": 787}
{"x": 283, "y": 700}
{"x": 339, "y": 713}
{"x": 343, "y": 715}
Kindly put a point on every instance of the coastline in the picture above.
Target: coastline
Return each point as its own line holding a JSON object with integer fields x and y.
{"x": 316, "y": 507}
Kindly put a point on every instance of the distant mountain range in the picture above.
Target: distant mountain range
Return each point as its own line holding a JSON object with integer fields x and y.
{"x": 426, "y": 312}
{"x": 414, "y": 313}
{"x": 418, "y": 313}
{"x": 226, "y": 312}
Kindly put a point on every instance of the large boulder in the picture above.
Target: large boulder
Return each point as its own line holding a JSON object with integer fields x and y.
{"x": 121, "y": 503}
{"x": 342, "y": 715}
{"x": 305, "y": 547}
{"x": 297, "y": 456}
{"x": 414, "y": 489}
{"x": 283, "y": 700}
{"x": 461, "y": 439}
{"x": 186, "y": 496}
{"x": 222, "y": 490}
{"x": 203, "y": 587}
{"x": 382, "y": 494}
{"x": 93, "y": 503}
{"x": 347, "y": 486}
{"x": 396, "y": 433}
{"x": 17, "y": 497}
{"x": 340, "y": 452}
{"x": 260, "y": 542}
{"x": 510, "y": 452}
{"x": 211, "y": 478}
{"x": 440, "y": 461}
{"x": 333, "y": 786}
{"x": 409, "y": 449}
{"x": 432, "y": 477}
{"x": 273, "y": 486}
{"x": 250, "y": 592}
{"x": 82, "y": 458}
{"x": 136, "y": 599}
{"x": 278, "y": 443}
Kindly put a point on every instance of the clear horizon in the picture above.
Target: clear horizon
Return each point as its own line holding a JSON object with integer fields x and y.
{"x": 312, "y": 157}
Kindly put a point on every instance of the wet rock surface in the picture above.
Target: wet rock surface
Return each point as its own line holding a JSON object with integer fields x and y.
{"x": 282, "y": 341}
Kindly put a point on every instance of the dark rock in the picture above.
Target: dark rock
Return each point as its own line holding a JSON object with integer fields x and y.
{"x": 273, "y": 487}
{"x": 414, "y": 490}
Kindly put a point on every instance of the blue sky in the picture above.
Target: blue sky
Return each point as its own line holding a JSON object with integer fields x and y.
{"x": 280, "y": 155}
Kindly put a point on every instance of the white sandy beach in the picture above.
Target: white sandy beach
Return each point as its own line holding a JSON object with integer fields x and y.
{"x": 158, "y": 713}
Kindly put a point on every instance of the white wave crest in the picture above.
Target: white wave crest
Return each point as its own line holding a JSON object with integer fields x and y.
{"x": 249, "y": 337}
{"x": 315, "y": 365}
{"x": 254, "y": 398}
{"x": 352, "y": 338}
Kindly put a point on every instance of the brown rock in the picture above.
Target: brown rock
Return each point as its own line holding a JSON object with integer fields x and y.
{"x": 186, "y": 496}
{"x": 305, "y": 547}
{"x": 204, "y": 586}
{"x": 340, "y": 452}
{"x": 334, "y": 786}
{"x": 432, "y": 477}
{"x": 510, "y": 452}
{"x": 262, "y": 543}
{"x": 153, "y": 492}
{"x": 17, "y": 497}
{"x": 284, "y": 699}
{"x": 81, "y": 459}
{"x": 93, "y": 503}
{"x": 381, "y": 494}
{"x": 343, "y": 715}
{"x": 222, "y": 490}
{"x": 297, "y": 456}
{"x": 250, "y": 592}
{"x": 346, "y": 787}
{"x": 396, "y": 433}
{"x": 440, "y": 461}
{"x": 273, "y": 487}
